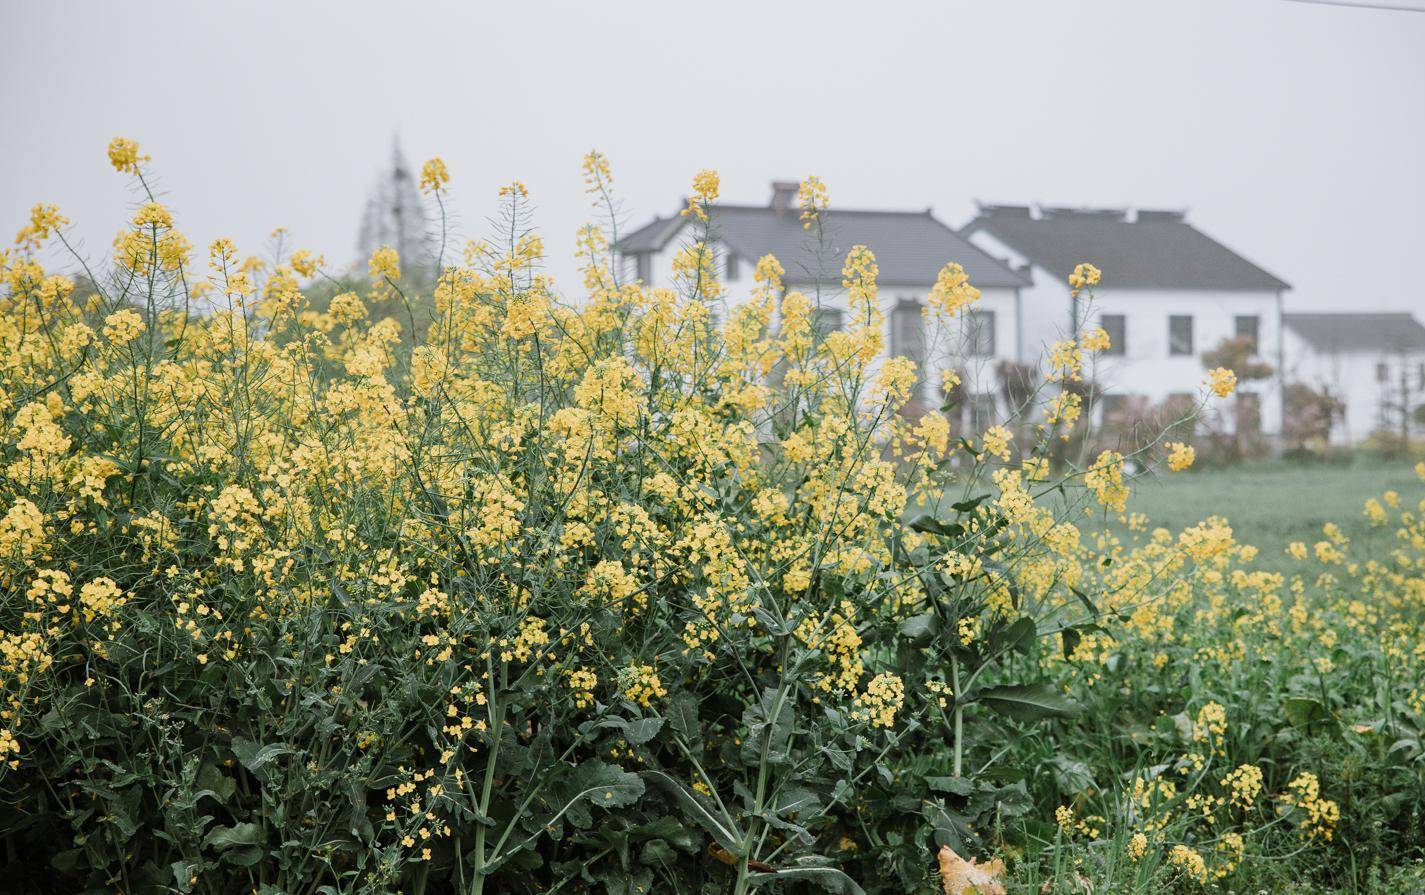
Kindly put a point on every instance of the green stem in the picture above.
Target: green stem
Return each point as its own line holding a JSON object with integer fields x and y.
{"x": 743, "y": 882}
{"x": 959, "y": 715}
{"x": 496, "y": 720}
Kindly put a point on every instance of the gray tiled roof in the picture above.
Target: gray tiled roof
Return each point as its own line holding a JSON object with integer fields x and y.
{"x": 910, "y": 247}
{"x": 1358, "y": 332}
{"x": 1152, "y": 250}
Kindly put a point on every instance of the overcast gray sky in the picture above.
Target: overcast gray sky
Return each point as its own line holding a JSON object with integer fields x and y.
{"x": 1293, "y": 132}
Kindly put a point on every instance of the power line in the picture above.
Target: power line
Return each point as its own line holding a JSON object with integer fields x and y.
{"x": 1398, "y": 5}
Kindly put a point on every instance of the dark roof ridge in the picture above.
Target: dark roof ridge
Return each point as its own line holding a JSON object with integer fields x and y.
{"x": 1301, "y": 315}
{"x": 1372, "y": 331}
{"x": 911, "y": 246}
{"x": 1160, "y": 251}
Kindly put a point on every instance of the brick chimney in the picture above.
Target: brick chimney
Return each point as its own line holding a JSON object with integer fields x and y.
{"x": 783, "y": 192}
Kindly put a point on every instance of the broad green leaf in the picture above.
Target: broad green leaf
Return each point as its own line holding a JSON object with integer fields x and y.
{"x": 930, "y": 525}
{"x": 1028, "y": 702}
{"x": 828, "y": 878}
{"x": 1084, "y": 598}
{"x": 683, "y": 717}
{"x": 920, "y": 626}
{"x": 958, "y": 786}
{"x": 723, "y": 830}
{"x": 223, "y": 838}
{"x": 255, "y": 757}
{"x": 1015, "y": 637}
{"x": 764, "y": 731}
{"x": 184, "y": 874}
{"x": 1301, "y": 711}
{"x": 966, "y": 506}
{"x": 636, "y": 731}
{"x": 606, "y": 785}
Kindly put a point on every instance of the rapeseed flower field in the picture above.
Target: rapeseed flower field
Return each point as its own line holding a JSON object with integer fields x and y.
{"x": 470, "y": 586}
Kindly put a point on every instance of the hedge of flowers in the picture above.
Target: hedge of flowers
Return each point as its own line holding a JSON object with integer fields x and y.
{"x": 474, "y": 588}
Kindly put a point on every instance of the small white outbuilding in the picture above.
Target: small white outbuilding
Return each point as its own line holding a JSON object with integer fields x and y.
{"x": 1373, "y": 364}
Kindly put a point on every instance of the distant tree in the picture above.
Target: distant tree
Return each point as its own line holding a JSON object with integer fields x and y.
{"x": 395, "y": 216}
{"x": 1400, "y": 401}
{"x": 1018, "y": 383}
{"x": 1239, "y": 356}
{"x": 1310, "y": 415}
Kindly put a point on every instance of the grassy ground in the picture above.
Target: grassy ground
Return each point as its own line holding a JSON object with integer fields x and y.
{"x": 1272, "y": 503}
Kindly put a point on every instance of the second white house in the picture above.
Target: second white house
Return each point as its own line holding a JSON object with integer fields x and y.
{"x": 1169, "y": 293}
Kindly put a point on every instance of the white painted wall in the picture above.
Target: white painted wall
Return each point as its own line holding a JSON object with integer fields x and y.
{"x": 1046, "y": 303}
{"x": 946, "y": 345}
{"x": 1147, "y": 369}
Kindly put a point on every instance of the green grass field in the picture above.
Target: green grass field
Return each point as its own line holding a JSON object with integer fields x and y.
{"x": 1272, "y": 503}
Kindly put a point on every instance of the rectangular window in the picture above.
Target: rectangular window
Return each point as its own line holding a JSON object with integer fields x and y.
{"x": 1179, "y": 411}
{"x": 1247, "y": 327}
{"x": 1249, "y": 413}
{"x": 982, "y": 412}
{"x": 1382, "y": 373}
{"x": 826, "y": 320}
{"x": 734, "y": 267}
{"x": 908, "y": 336}
{"x": 1116, "y": 325}
{"x": 644, "y": 264}
{"x": 1179, "y": 335}
{"x": 1115, "y": 409}
{"x": 980, "y": 333}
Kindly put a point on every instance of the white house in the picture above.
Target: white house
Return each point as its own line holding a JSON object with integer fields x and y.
{"x": 1374, "y": 364}
{"x": 1169, "y": 292}
{"x": 910, "y": 247}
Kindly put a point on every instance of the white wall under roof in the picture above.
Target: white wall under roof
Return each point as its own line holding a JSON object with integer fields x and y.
{"x": 1365, "y": 381}
{"x": 946, "y": 345}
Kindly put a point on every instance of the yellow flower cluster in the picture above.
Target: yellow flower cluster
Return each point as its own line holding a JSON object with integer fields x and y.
{"x": 598, "y": 173}
{"x": 1189, "y": 862}
{"x": 1096, "y": 339}
{"x": 124, "y": 155}
{"x": 883, "y": 698}
{"x": 45, "y": 220}
{"x": 1137, "y": 846}
{"x": 1221, "y": 381}
{"x": 582, "y": 682}
{"x": 951, "y": 293}
{"x": 1180, "y": 456}
{"x": 812, "y": 199}
{"x": 1085, "y": 276}
{"x": 385, "y": 264}
{"x": 99, "y": 597}
{"x": 641, "y": 685}
{"x": 434, "y": 176}
{"x": 705, "y": 190}
{"x": 122, "y": 327}
{"x": 996, "y": 441}
{"x": 1320, "y": 815}
{"x": 1105, "y": 480}
{"x": 1243, "y": 785}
